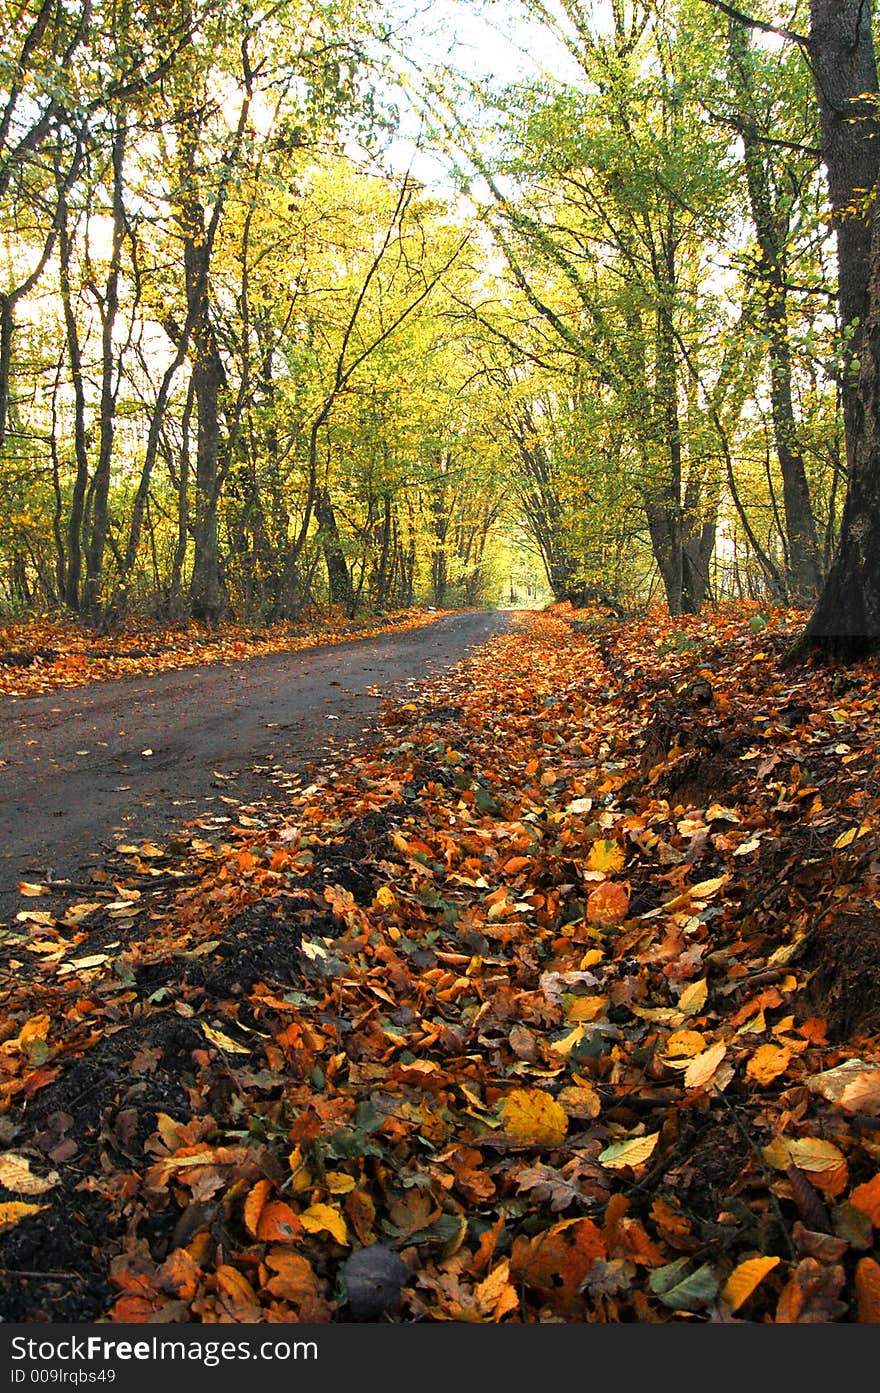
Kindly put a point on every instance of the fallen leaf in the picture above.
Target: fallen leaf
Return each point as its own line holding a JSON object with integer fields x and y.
{"x": 744, "y": 1279}
{"x": 15, "y": 1175}
{"x": 606, "y": 856}
{"x": 13, "y": 1211}
{"x": 608, "y": 904}
{"x": 532, "y": 1115}
{"x": 223, "y": 1042}
{"x": 704, "y": 1066}
{"x": 693, "y": 998}
{"x": 633, "y": 1152}
{"x": 325, "y": 1218}
{"x": 866, "y": 1198}
{"x": 868, "y": 1291}
{"x": 811, "y": 1154}
{"x": 768, "y": 1062}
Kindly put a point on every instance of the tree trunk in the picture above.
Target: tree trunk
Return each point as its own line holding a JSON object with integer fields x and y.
{"x": 804, "y": 573}
{"x": 338, "y": 576}
{"x": 81, "y": 478}
{"x": 846, "y": 620}
{"x": 207, "y": 594}
{"x": 100, "y": 520}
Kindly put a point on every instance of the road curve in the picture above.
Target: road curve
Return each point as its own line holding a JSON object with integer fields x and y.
{"x": 75, "y": 781}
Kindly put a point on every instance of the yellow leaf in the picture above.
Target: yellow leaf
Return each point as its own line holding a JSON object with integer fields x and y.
{"x": 14, "y": 1211}
{"x": 301, "y": 1177}
{"x": 705, "y": 889}
{"x": 569, "y": 1041}
{"x": 224, "y": 1042}
{"x": 83, "y": 964}
{"x": 628, "y": 1153}
{"x": 704, "y": 1065}
{"x": 808, "y": 1153}
{"x": 531, "y": 1115}
{"x": 845, "y": 838}
{"x": 325, "y": 1218}
{"x": 496, "y": 1295}
{"x": 814, "y": 1154}
{"x": 693, "y": 998}
{"x": 15, "y": 1174}
{"x": 384, "y": 898}
{"x": 744, "y": 1279}
{"x": 768, "y": 1062}
{"x": 606, "y": 856}
{"x": 338, "y": 1183}
{"x": 586, "y": 1008}
{"x": 685, "y": 1043}
{"x": 590, "y": 958}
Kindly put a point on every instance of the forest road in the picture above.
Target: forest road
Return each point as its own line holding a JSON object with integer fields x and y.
{"x": 76, "y": 778}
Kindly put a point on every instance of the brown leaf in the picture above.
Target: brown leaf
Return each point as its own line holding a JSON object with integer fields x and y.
{"x": 868, "y": 1291}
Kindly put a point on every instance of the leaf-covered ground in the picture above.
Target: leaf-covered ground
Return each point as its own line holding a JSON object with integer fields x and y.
{"x": 560, "y": 1004}
{"x": 39, "y": 656}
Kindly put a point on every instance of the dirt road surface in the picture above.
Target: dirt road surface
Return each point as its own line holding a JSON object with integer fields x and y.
{"x": 86, "y": 768}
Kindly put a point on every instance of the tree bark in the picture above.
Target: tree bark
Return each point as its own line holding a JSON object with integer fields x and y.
{"x": 846, "y": 620}
{"x": 100, "y": 519}
{"x": 207, "y": 595}
{"x": 804, "y": 573}
{"x": 81, "y": 451}
{"x": 338, "y": 576}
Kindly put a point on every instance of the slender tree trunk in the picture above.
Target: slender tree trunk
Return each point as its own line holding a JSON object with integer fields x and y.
{"x": 804, "y": 572}
{"x": 81, "y": 478}
{"x": 176, "y": 588}
{"x": 663, "y": 502}
{"x": 100, "y": 519}
{"x": 207, "y": 596}
{"x": 382, "y": 577}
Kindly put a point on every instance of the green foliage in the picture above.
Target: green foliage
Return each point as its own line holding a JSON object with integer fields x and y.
{"x": 248, "y": 344}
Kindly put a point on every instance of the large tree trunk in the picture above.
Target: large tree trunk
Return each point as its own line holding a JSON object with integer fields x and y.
{"x": 846, "y": 621}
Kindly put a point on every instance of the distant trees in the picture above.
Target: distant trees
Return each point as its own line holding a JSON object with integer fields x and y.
{"x": 200, "y": 295}
{"x": 659, "y": 205}
{"x": 243, "y": 370}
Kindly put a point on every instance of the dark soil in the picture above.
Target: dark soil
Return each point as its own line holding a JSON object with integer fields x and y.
{"x": 103, "y": 1103}
{"x": 100, "y": 1111}
{"x": 845, "y": 987}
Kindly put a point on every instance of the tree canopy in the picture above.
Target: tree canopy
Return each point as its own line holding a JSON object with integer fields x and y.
{"x": 301, "y": 307}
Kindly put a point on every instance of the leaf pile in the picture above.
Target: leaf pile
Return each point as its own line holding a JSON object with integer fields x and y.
{"x": 566, "y": 993}
{"x": 40, "y": 656}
